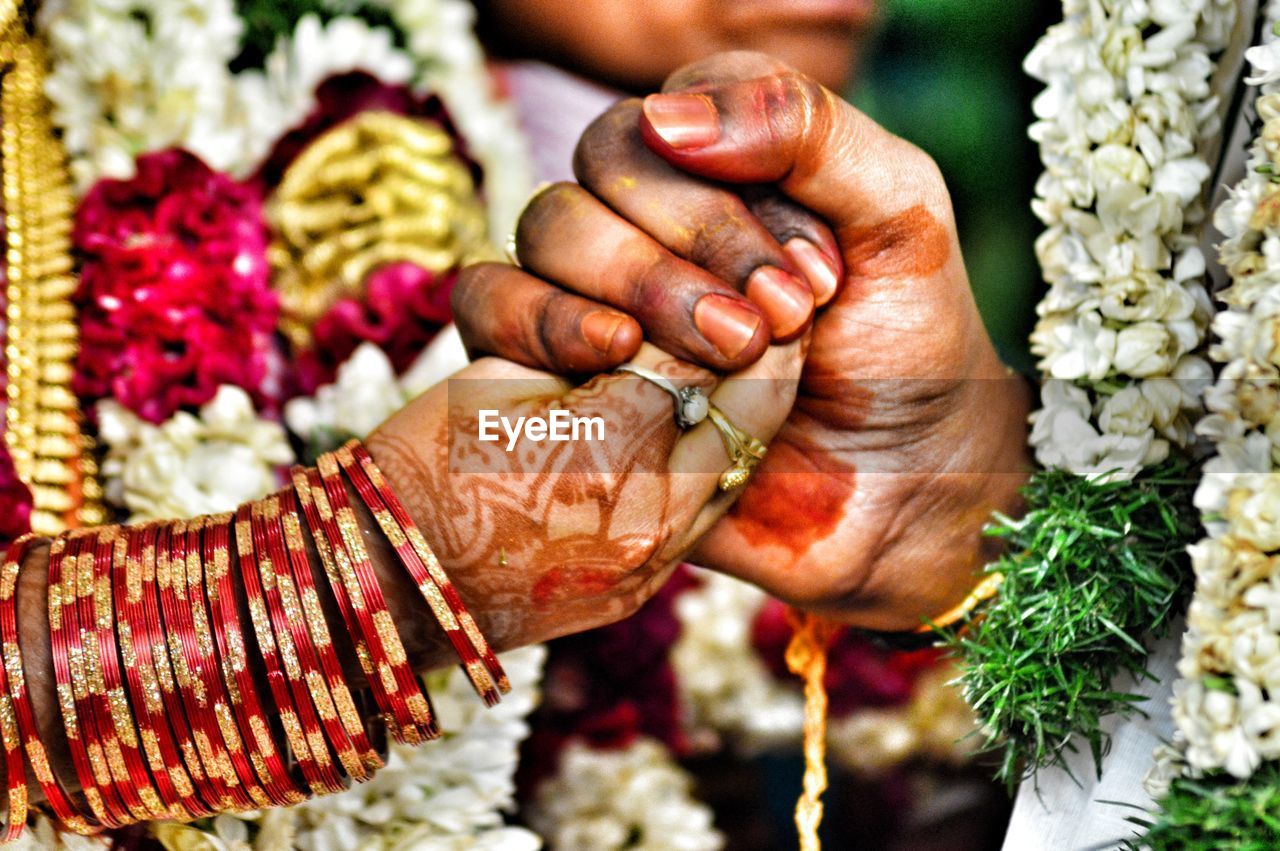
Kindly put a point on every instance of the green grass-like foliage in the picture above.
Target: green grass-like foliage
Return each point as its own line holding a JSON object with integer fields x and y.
{"x": 1217, "y": 813}
{"x": 1091, "y": 570}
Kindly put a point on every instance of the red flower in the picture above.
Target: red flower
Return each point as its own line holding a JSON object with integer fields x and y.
{"x": 174, "y": 297}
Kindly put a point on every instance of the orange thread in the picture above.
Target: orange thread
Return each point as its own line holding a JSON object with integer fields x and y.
{"x": 807, "y": 659}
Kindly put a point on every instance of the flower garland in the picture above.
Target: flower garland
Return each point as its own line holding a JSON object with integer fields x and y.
{"x": 1123, "y": 125}
{"x": 633, "y": 798}
{"x": 1214, "y": 780}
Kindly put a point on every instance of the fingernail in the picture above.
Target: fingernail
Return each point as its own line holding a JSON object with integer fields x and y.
{"x": 785, "y": 299}
{"x": 818, "y": 268}
{"x": 599, "y": 328}
{"x": 725, "y": 323}
{"x": 683, "y": 121}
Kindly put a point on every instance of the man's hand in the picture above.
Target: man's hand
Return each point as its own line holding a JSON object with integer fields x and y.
{"x": 907, "y": 431}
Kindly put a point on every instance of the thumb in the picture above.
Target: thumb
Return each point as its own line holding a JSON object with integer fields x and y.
{"x": 747, "y": 118}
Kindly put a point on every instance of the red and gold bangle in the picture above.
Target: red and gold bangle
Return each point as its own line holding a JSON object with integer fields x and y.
{"x": 62, "y": 623}
{"x": 111, "y": 704}
{"x": 478, "y": 660}
{"x": 172, "y": 781}
{"x": 55, "y": 794}
{"x": 407, "y": 702}
{"x": 210, "y": 668}
{"x": 153, "y": 637}
{"x": 328, "y": 561}
{"x": 77, "y": 581}
{"x": 277, "y": 679}
{"x": 299, "y": 666}
{"x": 15, "y": 768}
{"x": 105, "y": 757}
{"x": 185, "y": 558}
{"x": 241, "y": 688}
{"x": 343, "y": 725}
{"x": 307, "y": 492}
{"x": 171, "y": 561}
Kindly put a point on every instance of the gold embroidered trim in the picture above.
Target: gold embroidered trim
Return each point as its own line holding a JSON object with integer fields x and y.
{"x": 51, "y": 454}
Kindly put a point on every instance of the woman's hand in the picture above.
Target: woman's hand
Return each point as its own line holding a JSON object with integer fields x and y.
{"x": 907, "y": 431}
{"x": 545, "y": 537}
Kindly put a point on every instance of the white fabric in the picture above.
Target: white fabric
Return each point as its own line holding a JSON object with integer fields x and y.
{"x": 1070, "y": 816}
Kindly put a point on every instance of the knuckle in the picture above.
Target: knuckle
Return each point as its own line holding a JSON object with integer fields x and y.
{"x": 543, "y": 209}
{"x": 651, "y": 286}
{"x": 467, "y": 290}
{"x": 808, "y": 103}
{"x": 719, "y": 236}
{"x": 607, "y": 141}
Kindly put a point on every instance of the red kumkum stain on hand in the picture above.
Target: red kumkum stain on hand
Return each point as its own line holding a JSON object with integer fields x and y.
{"x": 573, "y": 583}
{"x": 797, "y": 508}
{"x": 911, "y": 243}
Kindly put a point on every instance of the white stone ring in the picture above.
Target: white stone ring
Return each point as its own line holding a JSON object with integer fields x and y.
{"x": 692, "y": 404}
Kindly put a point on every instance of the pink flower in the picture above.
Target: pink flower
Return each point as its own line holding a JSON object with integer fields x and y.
{"x": 174, "y": 295}
{"x": 15, "y": 502}
{"x": 403, "y": 307}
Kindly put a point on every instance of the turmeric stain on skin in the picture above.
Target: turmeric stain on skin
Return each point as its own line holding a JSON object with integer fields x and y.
{"x": 911, "y": 243}
{"x": 796, "y": 501}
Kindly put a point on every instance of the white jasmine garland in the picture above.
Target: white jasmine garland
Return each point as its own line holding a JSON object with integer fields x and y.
{"x": 1126, "y": 109}
{"x": 191, "y": 464}
{"x": 1226, "y": 704}
{"x": 128, "y": 78}
{"x": 633, "y": 798}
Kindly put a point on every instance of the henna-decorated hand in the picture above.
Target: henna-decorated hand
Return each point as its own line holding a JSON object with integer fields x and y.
{"x": 545, "y": 537}
{"x": 907, "y": 430}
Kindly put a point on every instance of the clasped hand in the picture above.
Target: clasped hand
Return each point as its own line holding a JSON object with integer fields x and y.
{"x": 749, "y": 222}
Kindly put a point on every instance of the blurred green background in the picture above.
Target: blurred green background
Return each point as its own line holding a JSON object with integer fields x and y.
{"x": 947, "y": 74}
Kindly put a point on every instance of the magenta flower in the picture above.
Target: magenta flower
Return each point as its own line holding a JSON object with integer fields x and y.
{"x": 174, "y": 295}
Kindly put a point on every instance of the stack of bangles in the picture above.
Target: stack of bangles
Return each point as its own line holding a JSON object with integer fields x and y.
{"x": 163, "y": 714}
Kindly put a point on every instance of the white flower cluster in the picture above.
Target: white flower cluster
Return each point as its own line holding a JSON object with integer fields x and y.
{"x": 132, "y": 76}
{"x": 1126, "y": 109}
{"x": 725, "y": 690}
{"x": 635, "y": 798}
{"x": 1227, "y": 703}
{"x": 191, "y": 464}
{"x": 364, "y": 394}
